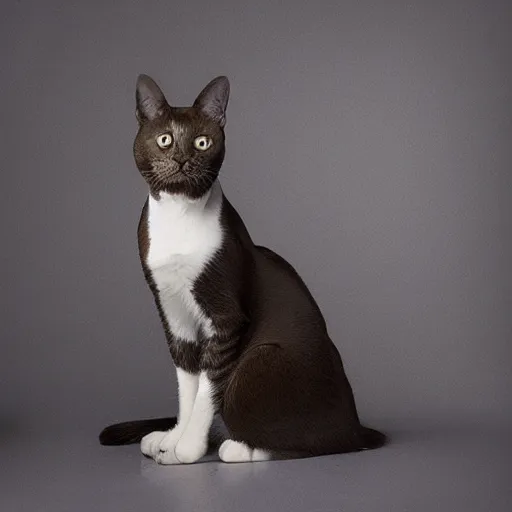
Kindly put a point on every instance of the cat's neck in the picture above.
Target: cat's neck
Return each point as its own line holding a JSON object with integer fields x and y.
{"x": 179, "y": 204}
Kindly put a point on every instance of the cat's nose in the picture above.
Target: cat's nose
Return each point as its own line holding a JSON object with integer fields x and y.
{"x": 180, "y": 160}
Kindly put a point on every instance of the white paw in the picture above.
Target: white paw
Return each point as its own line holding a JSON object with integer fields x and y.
{"x": 190, "y": 449}
{"x": 170, "y": 441}
{"x": 234, "y": 451}
{"x": 167, "y": 457}
{"x": 150, "y": 444}
{"x": 260, "y": 455}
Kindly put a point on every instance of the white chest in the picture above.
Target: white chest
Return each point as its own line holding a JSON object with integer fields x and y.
{"x": 184, "y": 236}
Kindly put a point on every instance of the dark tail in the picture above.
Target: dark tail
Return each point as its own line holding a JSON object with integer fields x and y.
{"x": 373, "y": 438}
{"x": 131, "y": 432}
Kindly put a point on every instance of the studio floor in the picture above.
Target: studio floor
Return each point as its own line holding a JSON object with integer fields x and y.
{"x": 442, "y": 468}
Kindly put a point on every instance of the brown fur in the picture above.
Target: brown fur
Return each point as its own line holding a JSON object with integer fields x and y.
{"x": 278, "y": 379}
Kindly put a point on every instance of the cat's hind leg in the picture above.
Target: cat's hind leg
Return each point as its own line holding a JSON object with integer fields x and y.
{"x": 289, "y": 403}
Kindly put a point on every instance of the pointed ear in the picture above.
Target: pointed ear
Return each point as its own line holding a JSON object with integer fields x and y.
{"x": 213, "y": 99}
{"x": 151, "y": 101}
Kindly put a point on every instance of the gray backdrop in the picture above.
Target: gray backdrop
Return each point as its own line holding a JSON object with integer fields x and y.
{"x": 368, "y": 142}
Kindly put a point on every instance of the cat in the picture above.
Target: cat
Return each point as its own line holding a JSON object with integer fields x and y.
{"x": 247, "y": 338}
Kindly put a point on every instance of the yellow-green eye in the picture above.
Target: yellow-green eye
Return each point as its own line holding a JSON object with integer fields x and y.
{"x": 164, "y": 140}
{"x": 203, "y": 143}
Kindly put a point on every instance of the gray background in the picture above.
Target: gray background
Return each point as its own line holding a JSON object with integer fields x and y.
{"x": 368, "y": 142}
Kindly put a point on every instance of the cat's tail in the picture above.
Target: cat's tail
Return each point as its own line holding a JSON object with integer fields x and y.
{"x": 130, "y": 432}
{"x": 373, "y": 438}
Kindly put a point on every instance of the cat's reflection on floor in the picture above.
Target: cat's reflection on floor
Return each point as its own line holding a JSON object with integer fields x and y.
{"x": 202, "y": 483}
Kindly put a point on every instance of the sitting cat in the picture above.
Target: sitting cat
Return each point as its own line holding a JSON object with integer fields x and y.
{"x": 246, "y": 336}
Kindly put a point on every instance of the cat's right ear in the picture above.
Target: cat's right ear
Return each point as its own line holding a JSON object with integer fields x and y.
{"x": 151, "y": 102}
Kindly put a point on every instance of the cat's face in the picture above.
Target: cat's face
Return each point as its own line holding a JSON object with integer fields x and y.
{"x": 180, "y": 150}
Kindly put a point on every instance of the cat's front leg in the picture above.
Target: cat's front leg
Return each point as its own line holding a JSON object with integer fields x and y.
{"x": 162, "y": 444}
{"x": 193, "y": 441}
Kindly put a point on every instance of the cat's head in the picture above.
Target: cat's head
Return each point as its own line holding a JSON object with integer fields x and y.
{"x": 180, "y": 150}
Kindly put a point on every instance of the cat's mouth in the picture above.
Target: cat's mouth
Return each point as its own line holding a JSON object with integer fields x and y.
{"x": 180, "y": 169}
{"x": 161, "y": 178}
{"x": 174, "y": 176}
{"x": 174, "y": 172}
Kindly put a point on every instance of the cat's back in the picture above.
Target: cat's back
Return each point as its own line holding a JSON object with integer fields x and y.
{"x": 284, "y": 301}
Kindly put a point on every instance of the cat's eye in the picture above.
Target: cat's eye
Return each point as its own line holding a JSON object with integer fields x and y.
{"x": 203, "y": 143}
{"x": 164, "y": 140}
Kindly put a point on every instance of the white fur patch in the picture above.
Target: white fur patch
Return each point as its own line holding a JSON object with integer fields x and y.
{"x": 234, "y": 451}
{"x": 184, "y": 236}
{"x": 188, "y": 385}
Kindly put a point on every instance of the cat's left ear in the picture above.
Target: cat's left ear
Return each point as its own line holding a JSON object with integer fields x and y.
{"x": 213, "y": 99}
